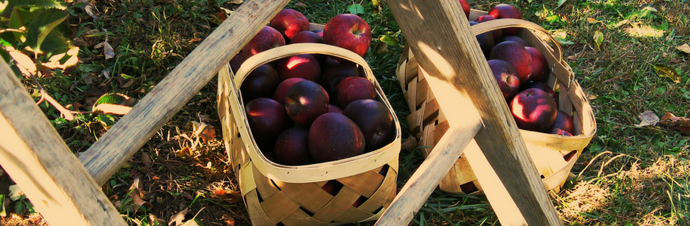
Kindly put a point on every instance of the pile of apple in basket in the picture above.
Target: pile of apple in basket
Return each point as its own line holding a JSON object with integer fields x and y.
{"x": 521, "y": 72}
{"x": 313, "y": 108}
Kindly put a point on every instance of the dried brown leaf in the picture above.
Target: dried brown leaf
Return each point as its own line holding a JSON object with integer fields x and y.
{"x": 178, "y": 217}
{"x": 300, "y": 4}
{"x": 679, "y": 123}
{"x": 684, "y": 48}
{"x": 227, "y": 195}
{"x": 648, "y": 119}
{"x": 146, "y": 159}
{"x": 154, "y": 218}
{"x": 230, "y": 221}
{"x": 92, "y": 11}
{"x": 204, "y": 131}
{"x": 410, "y": 143}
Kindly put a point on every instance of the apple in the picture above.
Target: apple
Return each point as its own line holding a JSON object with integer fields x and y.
{"x": 267, "y": 119}
{"x": 540, "y": 68}
{"x": 266, "y": 39}
{"x": 305, "y": 101}
{"x": 348, "y": 31}
{"x": 289, "y": 22}
{"x": 236, "y": 62}
{"x": 375, "y": 121}
{"x": 505, "y": 10}
{"x": 539, "y": 85}
{"x": 306, "y": 37}
{"x": 563, "y": 122}
{"x": 283, "y": 87}
{"x": 299, "y": 66}
{"x": 516, "y": 38}
{"x": 335, "y": 72}
{"x": 517, "y": 55}
{"x": 498, "y": 34}
{"x": 292, "y": 148}
{"x": 466, "y": 8}
{"x": 486, "y": 41}
{"x": 261, "y": 82}
{"x": 334, "y": 136}
{"x": 335, "y": 109}
{"x": 534, "y": 110}
{"x": 506, "y": 77}
{"x": 332, "y": 187}
{"x": 354, "y": 88}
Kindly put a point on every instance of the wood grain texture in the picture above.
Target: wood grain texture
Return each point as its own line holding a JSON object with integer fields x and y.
{"x": 37, "y": 159}
{"x": 452, "y": 55}
{"x": 129, "y": 134}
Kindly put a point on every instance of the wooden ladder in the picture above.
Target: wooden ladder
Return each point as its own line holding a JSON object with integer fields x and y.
{"x": 66, "y": 189}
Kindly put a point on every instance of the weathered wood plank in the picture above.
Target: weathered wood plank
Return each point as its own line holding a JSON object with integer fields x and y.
{"x": 129, "y": 134}
{"x": 37, "y": 159}
{"x": 452, "y": 55}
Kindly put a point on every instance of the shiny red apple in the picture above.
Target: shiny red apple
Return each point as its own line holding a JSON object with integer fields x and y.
{"x": 266, "y": 39}
{"x": 348, "y": 31}
{"x": 289, "y": 22}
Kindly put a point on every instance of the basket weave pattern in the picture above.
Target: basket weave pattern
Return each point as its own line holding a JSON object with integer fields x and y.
{"x": 553, "y": 156}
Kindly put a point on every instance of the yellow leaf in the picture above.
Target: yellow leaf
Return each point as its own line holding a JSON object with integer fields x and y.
{"x": 684, "y": 48}
{"x": 592, "y": 20}
{"x": 667, "y": 72}
{"x": 54, "y": 61}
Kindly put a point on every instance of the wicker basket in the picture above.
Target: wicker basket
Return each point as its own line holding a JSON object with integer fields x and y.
{"x": 553, "y": 155}
{"x": 292, "y": 195}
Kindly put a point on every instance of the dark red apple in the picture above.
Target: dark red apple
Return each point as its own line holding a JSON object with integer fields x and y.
{"x": 332, "y": 187}
{"x": 540, "y": 68}
{"x": 236, "y": 62}
{"x": 539, "y": 85}
{"x": 348, "y": 31}
{"x": 465, "y": 8}
{"x": 359, "y": 201}
{"x": 334, "y": 136}
{"x": 306, "y": 37}
{"x": 289, "y": 22}
{"x": 305, "y": 101}
{"x": 534, "y": 110}
{"x": 267, "y": 119}
{"x": 319, "y": 32}
{"x": 261, "y": 82}
{"x": 517, "y": 55}
{"x": 292, "y": 148}
{"x": 334, "y": 109}
{"x": 506, "y": 77}
{"x": 515, "y": 38}
{"x": 375, "y": 121}
{"x": 299, "y": 66}
{"x": 561, "y": 132}
{"x": 266, "y": 39}
{"x": 505, "y": 10}
{"x": 354, "y": 88}
{"x": 564, "y": 122}
{"x": 283, "y": 87}
{"x": 486, "y": 42}
{"x": 336, "y": 72}
{"x": 497, "y": 34}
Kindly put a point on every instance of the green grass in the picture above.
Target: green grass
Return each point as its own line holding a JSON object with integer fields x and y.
{"x": 628, "y": 175}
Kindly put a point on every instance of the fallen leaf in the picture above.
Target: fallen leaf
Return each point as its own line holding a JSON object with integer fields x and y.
{"x": 194, "y": 40}
{"x": 108, "y": 50}
{"x": 666, "y": 72}
{"x": 178, "y": 217}
{"x": 679, "y": 123}
{"x": 92, "y": 11}
{"x": 154, "y": 218}
{"x": 15, "y": 192}
{"x": 301, "y": 4}
{"x": 146, "y": 159}
{"x": 203, "y": 131}
{"x": 648, "y": 119}
{"x": 136, "y": 198}
{"x": 684, "y": 48}
{"x": 227, "y": 195}
{"x": 592, "y": 20}
{"x": 230, "y": 222}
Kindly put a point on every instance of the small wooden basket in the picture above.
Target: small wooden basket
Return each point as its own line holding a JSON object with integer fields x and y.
{"x": 553, "y": 155}
{"x": 278, "y": 194}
